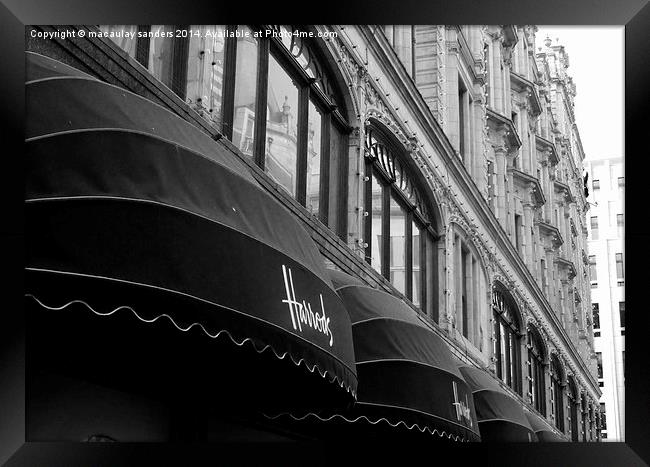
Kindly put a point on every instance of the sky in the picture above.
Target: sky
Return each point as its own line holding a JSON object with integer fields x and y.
{"x": 596, "y": 63}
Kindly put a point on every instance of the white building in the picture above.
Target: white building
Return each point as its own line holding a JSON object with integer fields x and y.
{"x": 607, "y": 264}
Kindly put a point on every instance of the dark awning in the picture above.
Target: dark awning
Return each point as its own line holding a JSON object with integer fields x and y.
{"x": 133, "y": 213}
{"x": 542, "y": 429}
{"x": 407, "y": 375}
{"x": 500, "y": 417}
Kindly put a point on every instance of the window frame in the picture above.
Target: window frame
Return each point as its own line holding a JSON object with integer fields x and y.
{"x": 502, "y": 306}
{"x": 331, "y": 108}
{"x": 537, "y": 372}
{"x": 557, "y": 387}
{"x": 572, "y": 396}
{"x": 375, "y": 167}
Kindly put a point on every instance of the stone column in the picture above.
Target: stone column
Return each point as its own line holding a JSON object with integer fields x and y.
{"x": 500, "y": 156}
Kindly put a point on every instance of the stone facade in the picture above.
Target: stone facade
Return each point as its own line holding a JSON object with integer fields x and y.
{"x": 485, "y": 121}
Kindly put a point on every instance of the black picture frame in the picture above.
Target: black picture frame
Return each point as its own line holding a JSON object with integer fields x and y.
{"x": 14, "y": 15}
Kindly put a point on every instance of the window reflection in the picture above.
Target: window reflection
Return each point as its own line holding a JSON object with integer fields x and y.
{"x": 336, "y": 155}
{"x": 313, "y": 159}
{"x": 128, "y": 37}
{"x": 243, "y": 135}
{"x": 281, "y": 127}
{"x": 161, "y": 51}
{"x": 377, "y": 208}
{"x": 415, "y": 261}
{"x": 205, "y": 71}
{"x": 397, "y": 245}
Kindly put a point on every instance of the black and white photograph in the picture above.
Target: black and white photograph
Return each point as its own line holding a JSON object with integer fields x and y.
{"x": 313, "y": 234}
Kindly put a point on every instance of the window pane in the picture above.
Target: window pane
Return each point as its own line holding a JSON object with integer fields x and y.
{"x": 205, "y": 71}
{"x": 161, "y": 49}
{"x": 243, "y": 135}
{"x": 124, "y": 36}
{"x": 497, "y": 338}
{"x": 431, "y": 272}
{"x": 599, "y": 356}
{"x": 397, "y": 245}
{"x": 337, "y": 153}
{"x": 621, "y": 311}
{"x": 281, "y": 128}
{"x": 512, "y": 372}
{"x": 376, "y": 216}
{"x": 502, "y": 350}
{"x": 596, "y": 315}
{"x": 313, "y": 159}
{"x": 619, "y": 265}
{"x": 415, "y": 236}
{"x": 592, "y": 268}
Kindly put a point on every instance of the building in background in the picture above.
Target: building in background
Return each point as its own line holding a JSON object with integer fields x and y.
{"x": 607, "y": 264}
{"x": 440, "y": 164}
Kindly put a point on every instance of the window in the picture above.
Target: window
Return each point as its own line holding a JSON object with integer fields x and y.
{"x": 398, "y": 228}
{"x": 595, "y": 311}
{"x": 271, "y": 96}
{"x": 536, "y": 382}
{"x": 518, "y": 232}
{"x": 593, "y": 274}
{"x": 620, "y": 223}
{"x": 603, "y": 417}
{"x": 506, "y": 338}
{"x": 599, "y": 357}
{"x": 558, "y": 393}
{"x": 595, "y": 184}
{"x": 621, "y": 313}
{"x": 572, "y": 395}
{"x": 204, "y": 85}
{"x": 463, "y": 121}
{"x": 542, "y": 272}
{"x": 402, "y": 39}
{"x": 619, "y": 268}
{"x": 594, "y": 228}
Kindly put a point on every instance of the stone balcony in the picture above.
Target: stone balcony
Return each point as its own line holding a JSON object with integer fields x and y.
{"x": 549, "y": 230}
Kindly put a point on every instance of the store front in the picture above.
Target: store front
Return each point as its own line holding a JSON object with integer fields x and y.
{"x": 165, "y": 290}
{"x": 409, "y": 385}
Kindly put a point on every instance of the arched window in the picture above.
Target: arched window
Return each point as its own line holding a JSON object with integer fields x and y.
{"x": 399, "y": 229}
{"x": 557, "y": 389}
{"x": 536, "y": 377}
{"x": 573, "y": 396}
{"x": 506, "y": 338}
{"x": 271, "y": 94}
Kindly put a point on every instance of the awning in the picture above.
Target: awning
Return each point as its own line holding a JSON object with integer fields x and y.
{"x": 542, "y": 429}
{"x": 134, "y": 215}
{"x": 500, "y": 417}
{"x": 408, "y": 380}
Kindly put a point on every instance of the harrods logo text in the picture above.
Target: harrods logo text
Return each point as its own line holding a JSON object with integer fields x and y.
{"x": 301, "y": 311}
{"x": 462, "y": 408}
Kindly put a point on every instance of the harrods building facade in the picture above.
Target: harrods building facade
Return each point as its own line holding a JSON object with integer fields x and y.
{"x": 439, "y": 164}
